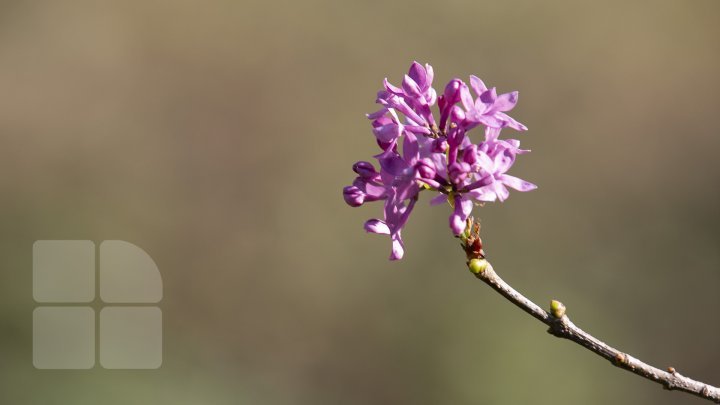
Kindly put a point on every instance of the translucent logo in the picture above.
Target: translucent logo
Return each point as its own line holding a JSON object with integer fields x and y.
{"x": 68, "y": 332}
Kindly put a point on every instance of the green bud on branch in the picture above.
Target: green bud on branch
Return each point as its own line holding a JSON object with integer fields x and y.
{"x": 478, "y": 266}
{"x": 557, "y": 309}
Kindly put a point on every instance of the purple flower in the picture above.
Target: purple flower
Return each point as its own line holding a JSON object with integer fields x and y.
{"x": 366, "y": 187}
{"x": 400, "y": 175}
{"x": 489, "y": 108}
{"x": 447, "y": 101}
{"x": 417, "y": 154}
{"x": 396, "y": 215}
{"x": 494, "y": 159}
{"x": 416, "y": 92}
{"x": 463, "y": 208}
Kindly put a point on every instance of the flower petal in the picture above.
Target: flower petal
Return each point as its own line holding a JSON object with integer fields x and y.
{"x": 489, "y": 96}
{"x": 411, "y": 149}
{"x": 508, "y": 121}
{"x": 416, "y": 129}
{"x": 465, "y": 97}
{"x": 418, "y": 74}
{"x": 412, "y": 89}
{"x": 429, "y": 75}
{"x": 397, "y": 248}
{"x": 501, "y": 191}
{"x": 377, "y": 226}
{"x": 485, "y": 194}
{"x": 478, "y": 86}
{"x": 516, "y": 183}
{"x": 463, "y": 208}
{"x": 506, "y": 102}
{"x": 491, "y": 134}
{"x": 387, "y": 133}
{"x": 439, "y": 199}
{"x": 485, "y": 162}
{"x": 390, "y": 88}
{"x": 503, "y": 161}
{"x": 393, "y": 164}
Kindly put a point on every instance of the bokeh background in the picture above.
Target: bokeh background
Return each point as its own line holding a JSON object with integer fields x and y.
{"x": 217, "y": 136}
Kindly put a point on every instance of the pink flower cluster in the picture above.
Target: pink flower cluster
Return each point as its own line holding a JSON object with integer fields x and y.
{"x": 422, "y": 153}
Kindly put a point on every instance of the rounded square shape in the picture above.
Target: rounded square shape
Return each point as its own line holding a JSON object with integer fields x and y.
{"x": 64, "y": 337}
{"x": 128, "y": 274}
{"x": 130, "y": 337}
{"x": 64, "y": 271}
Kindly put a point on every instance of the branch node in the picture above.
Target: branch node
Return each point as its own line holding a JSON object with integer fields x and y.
{"x": 621, "y": 359}
{"x": 477, "y": 266}
{"x": 557, "y": 309}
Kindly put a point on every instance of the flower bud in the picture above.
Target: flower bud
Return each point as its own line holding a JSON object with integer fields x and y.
{"x": 557, "y": 309}
{"x": 381, "y": 121}
{"x": 458, "y": 172}
{"x": 353, "y": 196}
{"x": 365, "y": 169}
{"x": 439, "y": 145}
{"x": 426, "y": 168}
{"x": 470, "y": 154}
{"x": 478, "y": 266}
{"x": 457, "y": 114}
{"x": 452, "y": 90}
{"x": 419, "y": 75}
{"x": 450, "y": 96}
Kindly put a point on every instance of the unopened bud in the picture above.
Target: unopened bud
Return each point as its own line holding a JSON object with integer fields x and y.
{"x": 457, "y": 114}
{"x": 458, "y": 171}
{"x": 353, "y": 196}
{"x": 478, "y": 266}
{"x": 426, "y": 168}
{"x": 451, "y": 90}
{"x": 557, "y": 308}
{"x": 470, "y": 154}
{"x": 439, "y": 145}
{"x": 364, "y": 169}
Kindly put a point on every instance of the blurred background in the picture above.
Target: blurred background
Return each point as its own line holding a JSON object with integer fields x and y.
{"x": 217, "y": 136}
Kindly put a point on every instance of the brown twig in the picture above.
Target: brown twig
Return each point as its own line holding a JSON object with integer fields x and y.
{"x": 560, "y": 326}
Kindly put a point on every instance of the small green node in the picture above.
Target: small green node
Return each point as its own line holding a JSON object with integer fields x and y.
{"x": 477, "y": 266}
{"x": 557, "y": 308}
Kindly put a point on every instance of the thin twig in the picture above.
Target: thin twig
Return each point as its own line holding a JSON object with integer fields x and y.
{"x": 559, "y": 325}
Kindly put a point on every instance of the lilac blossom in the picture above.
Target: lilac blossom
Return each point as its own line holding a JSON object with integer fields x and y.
{"x": 420, "y": 153}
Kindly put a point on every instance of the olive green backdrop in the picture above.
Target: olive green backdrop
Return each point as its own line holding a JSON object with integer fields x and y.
{"x": 217, "y": 136}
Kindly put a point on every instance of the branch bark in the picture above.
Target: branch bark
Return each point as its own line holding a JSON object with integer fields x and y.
{"x": 560, "y": 326}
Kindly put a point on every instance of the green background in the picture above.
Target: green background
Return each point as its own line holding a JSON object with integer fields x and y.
{"x": 217, "y": 136}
